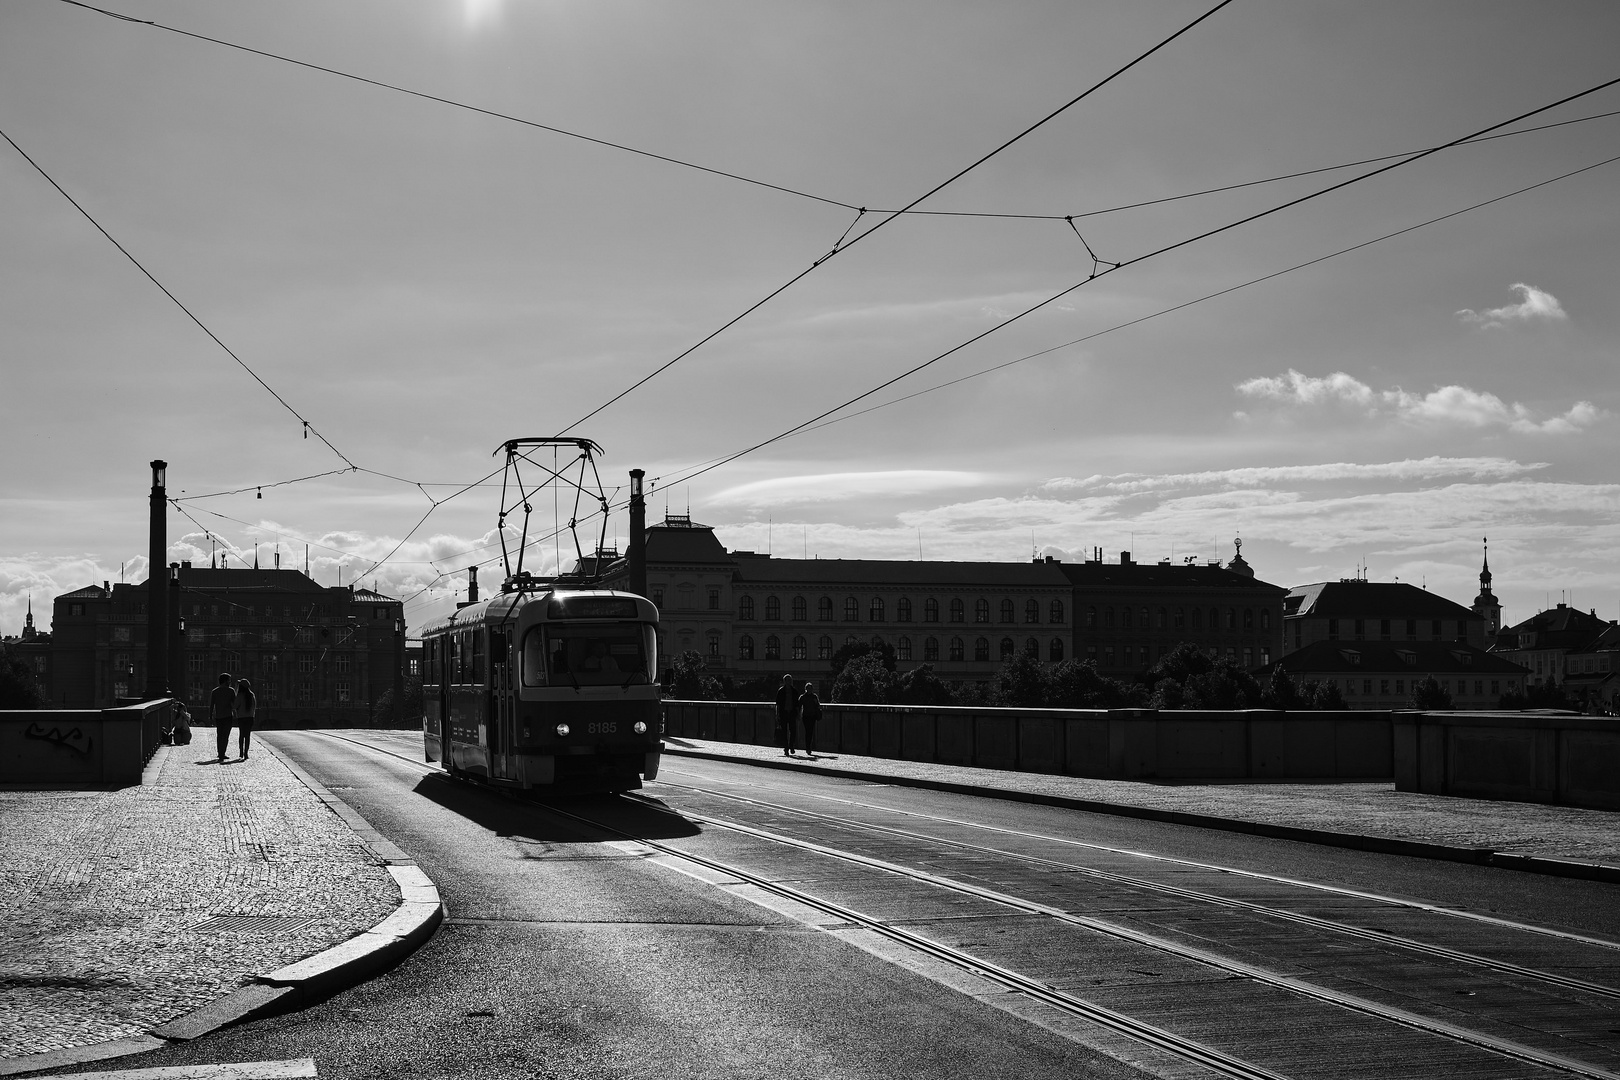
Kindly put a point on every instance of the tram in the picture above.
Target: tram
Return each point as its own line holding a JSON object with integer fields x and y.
{"x": 545, "y": 687}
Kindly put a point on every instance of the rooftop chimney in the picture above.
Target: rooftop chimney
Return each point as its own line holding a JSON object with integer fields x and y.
{"x": 1124, "y": 558}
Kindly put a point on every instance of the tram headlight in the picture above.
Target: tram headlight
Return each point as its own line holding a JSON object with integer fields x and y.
{"x": 641, "y": 727}
{"x": 562, "y": 729}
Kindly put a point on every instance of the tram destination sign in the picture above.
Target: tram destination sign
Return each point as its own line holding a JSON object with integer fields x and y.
{"x": 591, "y": 607}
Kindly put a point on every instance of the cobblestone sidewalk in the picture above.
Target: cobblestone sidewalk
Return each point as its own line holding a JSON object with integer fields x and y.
{"x": 106, "y": 897}
{"x": 1549, "y": 832}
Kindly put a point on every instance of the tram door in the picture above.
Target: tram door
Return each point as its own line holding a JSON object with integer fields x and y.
{"x": 499, "y": 706}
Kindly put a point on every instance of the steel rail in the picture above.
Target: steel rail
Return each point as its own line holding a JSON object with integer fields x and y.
{"x": 1382, "y": 937}
{"x": 1152, "y": 1035}
{"x": 1337, "y": 890}
{"x": 1099, "y": 1014}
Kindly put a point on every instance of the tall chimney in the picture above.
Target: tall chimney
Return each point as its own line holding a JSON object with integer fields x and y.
{"x": 157, "y": 589}
{"x": 638, "y": 535}
{"x": 472, "y": 584}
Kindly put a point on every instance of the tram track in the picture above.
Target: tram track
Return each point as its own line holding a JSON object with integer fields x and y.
{"x": 1190, "y": 1050}
{"x": 1379, "y": 937}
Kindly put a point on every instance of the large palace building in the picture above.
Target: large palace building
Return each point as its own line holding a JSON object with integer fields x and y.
{"x": 752, "y": 615}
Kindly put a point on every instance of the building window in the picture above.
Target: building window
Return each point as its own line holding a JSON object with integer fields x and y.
{"x": 902, "y": 649}
{"x": 1360, "y": 627}
{"x": 981, "y": 648}
{"x": 1231, "y": 618}
{"x": 875, "y": 612}
{"x": 1124, "y": 617}
{"x": 1265, "y": 618}
{"x": 1180, "y": 618}
{"x": 1108, "y": 616}
{"x": 1055, "y": 652}
{"x": 801, "y": 610}
{"x": 902, "y": 609}
{"x": 852, "y": 609}
{"x": 306, "y": 663}
{"x": 930, "y": 610}
{"x": 1127, "y": 653}
{"x": 714, "y": 644}
{"x": 1108, "y": 656}
{"x": 1032, "y": 648}
{"x": 1145, "y": 623}
{"x": 824, "y": 648}
{"x": 233, "y": 637}
{"x": 75, "y": 609}
{"x": 1248, "y": 657}
{"x": 773, "y": 609}
{"x": 745, "y": 648}
{"x": 1411, "y": 629}
{"x": 1197, "y": 618}
{"x": 1032, "y": 611}
{"x": 957, "y": 651}
{"x": 304, "y": 635}
{"x": 1265, "y": 655}
{"x": 267, "y": 695}
{"x": 801, "y": 648}
{"x": 1383, "y": 686}
{"x": 1164, "y": 618}
{"x": 1479, "y": 686}
{"x": 304, "y": 693}
{"x": 658, "y": 596}
{"x": 1383, "y": 630}
{"x": 931, "y": 648}
{"x": 196, "y": 636}
{"x": 120, "y": 634}
{"x": 1007, "y": 611}
{"x": 1333, "y": 630}
{"x": 271, "y": 663}
{"x": 824, "y": 609}
{"x": 1248, "y": 618}
{"x": 958, "y": 612}
{"x": 773, "y": 647}
{"x": 1091, "y": 616}
{"x": 714, "y": 599}
{"x": 981, "y": 610}
{"x": 343, "y": 691}
{"x": 745, "y": 608}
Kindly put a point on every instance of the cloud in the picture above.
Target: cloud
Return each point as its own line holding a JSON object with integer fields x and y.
{"x": 1533, "y": 304}
{"x": 1297, "y": 389}
{"x": 1476, "y": 408}
{"x": 1429, "y": 468}
{"x": 1449, "y": 405}
{"x": 830, "y": 487}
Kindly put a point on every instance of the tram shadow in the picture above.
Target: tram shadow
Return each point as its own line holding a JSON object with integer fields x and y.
{"x": 556, "y": 818}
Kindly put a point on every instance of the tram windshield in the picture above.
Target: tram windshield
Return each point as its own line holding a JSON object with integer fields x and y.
{"x": 616, "y": 654}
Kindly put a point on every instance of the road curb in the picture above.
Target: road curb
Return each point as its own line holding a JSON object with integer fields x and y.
{"x": 299, "y": 985}
{"x": 1383, "y": 845}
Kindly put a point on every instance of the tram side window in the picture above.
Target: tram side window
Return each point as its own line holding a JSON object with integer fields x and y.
{"x": 476, "y": 672}
{"x": 534, "y": 658}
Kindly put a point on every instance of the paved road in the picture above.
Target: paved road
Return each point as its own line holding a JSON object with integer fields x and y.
{"x": 572, "y": 952}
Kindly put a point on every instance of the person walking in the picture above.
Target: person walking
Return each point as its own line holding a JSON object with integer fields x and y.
{"x": 247, "y": 707}
{"x": 222, "y": 710}
{"x": 809, "y": 715}
{"x": 787, "y": 711}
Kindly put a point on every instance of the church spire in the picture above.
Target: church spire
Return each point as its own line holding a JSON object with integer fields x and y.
{"x": 1486, "y": 606}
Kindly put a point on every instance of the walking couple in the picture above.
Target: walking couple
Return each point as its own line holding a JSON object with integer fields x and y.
{"x": 794, "y": 708}
{"x": 239, "y": 705}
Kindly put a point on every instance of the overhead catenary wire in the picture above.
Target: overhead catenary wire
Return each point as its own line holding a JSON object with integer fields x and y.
{"x": 1213, "y": 295}
{"x": 845, "y": 244}
{"x": 729, "y": 175}
{"x": 1094, "y": 276}
{"x": 453, "y": 103}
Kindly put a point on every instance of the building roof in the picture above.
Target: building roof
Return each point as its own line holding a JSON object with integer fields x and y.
{"x": 1099, "y": 575}
{"x": 1562, "y": 627}
{"x": 89, "y": 592}
{"x": 684, "y": 542}
{"x": 1354, "y": 598}
{"x": 766, "y": 570}
{"x": 1380, "y": 657}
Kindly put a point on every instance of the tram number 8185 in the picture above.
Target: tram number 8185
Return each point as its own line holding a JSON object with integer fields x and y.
{"x": 605, "y": 728}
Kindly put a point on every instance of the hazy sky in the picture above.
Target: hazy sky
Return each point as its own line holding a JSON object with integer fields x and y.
{"x": 422, "y": 282}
